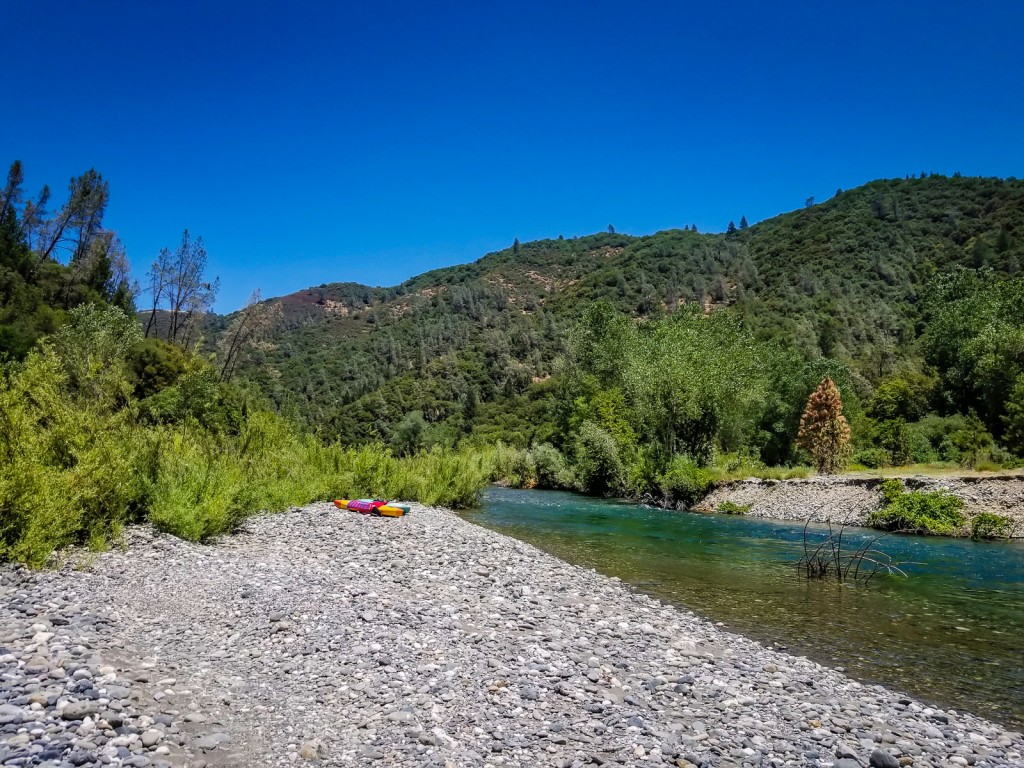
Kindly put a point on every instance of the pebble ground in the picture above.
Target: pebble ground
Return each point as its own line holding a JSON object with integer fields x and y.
{"x": 322, "y": 637}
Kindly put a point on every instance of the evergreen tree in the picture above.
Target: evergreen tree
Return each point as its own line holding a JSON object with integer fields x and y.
{"x": 824, "y": 431}
{"x": 1003, "y": 242}
{"x": 731, "y": 228}
{"x": 1014, "y": 418}
{"x": 743, "y": 222}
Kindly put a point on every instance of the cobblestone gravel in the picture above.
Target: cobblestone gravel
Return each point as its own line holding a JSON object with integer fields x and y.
{"x": 322, "y": 637}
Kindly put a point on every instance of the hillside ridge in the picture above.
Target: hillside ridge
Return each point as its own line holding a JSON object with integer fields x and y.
{"x": 841, "y": 279}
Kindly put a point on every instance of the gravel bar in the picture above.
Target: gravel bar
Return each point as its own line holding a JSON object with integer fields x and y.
{"x": 322, "y": 637}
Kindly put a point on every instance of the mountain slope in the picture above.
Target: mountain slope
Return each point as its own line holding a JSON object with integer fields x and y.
{"x": 463, "y": 344}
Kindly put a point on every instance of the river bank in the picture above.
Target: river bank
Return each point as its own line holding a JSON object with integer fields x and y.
{"x": 851, "y": 499}
{"x": 323, "y": 636}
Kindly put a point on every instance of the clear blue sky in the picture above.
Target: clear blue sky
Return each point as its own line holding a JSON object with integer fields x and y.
{"x": 314, "y": 142}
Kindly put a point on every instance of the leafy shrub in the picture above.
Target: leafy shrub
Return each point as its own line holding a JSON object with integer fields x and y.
{"x": 970, "y": 444}
{"x": 199, "y": 397}
{"x": 643, "y": 472}
{"x": 77, "y": 463}
{"x": 685, "y": 482}
{"x": 732, "y": 508}
{"x": 597, "y": 460}
{"x": 903, "y": 395}
{"x": 409, "y": 435}
{"x": 988, "y": 525}
{"x": 872, "y": 458}
{"x": 447, "y": 478}
{"x": 512, "y": 466}
{"x": 551, "y": 467}
{"x": 1014, "y": 418}
{"x": 936, "y": 513}
{"x": 195, "y": 490}
{"x": 157, "y": 365}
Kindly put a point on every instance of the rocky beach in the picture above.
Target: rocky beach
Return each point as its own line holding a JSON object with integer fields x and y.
{"x": 848, "y": 499}
{"x": 322, "y": 637}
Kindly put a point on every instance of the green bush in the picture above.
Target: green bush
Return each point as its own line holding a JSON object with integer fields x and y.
{"x": 872, "y": 458}
{"x": 80, "y": 457}
{"x": 196, "y": 488}
{"x": 732, "y": 508}
{"x": 446, "y": 478}
{"x": 157, "y": 365}
{"x": 598, "y": 464}
{"x": 685, "y": 482}
{"x": 971, "y": 444}
{"x": 410, "y": 434}
{"x": 936, "y": 513}
{"x": 644, "y": 472}
{"x": 988, "y": 525}
{"x": 552, "y": 469}
{"x": 512, "y": 466}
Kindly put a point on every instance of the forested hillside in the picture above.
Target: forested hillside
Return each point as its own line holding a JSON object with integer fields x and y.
{"x": 478, "y": 351}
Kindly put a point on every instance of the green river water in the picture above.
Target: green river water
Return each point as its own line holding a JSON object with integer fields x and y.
{"x": 951, "y": 633}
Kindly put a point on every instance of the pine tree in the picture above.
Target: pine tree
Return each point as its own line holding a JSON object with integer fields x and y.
{"x": 824, "y": 431}
{"x": 731, "y": 228}
{"x": 743, "y": 222}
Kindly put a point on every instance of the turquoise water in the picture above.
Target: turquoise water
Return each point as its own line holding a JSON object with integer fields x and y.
{"x": 951, "y": 632}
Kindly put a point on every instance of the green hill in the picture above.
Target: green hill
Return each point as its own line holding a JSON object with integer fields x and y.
{"x": 473, "y": 347}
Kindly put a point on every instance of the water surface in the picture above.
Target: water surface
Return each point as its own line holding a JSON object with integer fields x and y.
{"x": 951, "y": 632}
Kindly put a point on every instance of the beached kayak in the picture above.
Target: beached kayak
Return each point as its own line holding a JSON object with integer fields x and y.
{"x": 376, "y": 507}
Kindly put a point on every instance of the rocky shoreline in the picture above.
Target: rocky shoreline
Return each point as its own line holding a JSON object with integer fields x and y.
{"x": 320, "y": 637}
{"x": 850, "y": 499}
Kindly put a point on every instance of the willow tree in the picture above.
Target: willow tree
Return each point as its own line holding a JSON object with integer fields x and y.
{"x": 824, "y": 431}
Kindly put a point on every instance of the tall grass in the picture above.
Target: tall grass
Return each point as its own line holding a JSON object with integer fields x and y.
{"x": 75, "y": 470}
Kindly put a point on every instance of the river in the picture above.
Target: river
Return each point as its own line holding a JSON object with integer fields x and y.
{"x": 950, "y": 632}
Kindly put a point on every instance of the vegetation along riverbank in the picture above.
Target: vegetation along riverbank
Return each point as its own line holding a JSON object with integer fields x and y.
{"x": 644, "y": 367}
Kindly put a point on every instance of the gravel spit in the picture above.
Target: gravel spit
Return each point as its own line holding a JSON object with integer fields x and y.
{"x": 324, "y": 638}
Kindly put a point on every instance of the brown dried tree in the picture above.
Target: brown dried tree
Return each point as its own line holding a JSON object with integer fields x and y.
{"x": 824, "y": 431}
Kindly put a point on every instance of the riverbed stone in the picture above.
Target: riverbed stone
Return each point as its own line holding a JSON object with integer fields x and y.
{"x": 321, "y": 636}
{"x": 881, "y": 759}
{"x": 847, "y": 500}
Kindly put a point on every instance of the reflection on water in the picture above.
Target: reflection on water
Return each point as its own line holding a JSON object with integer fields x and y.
{"x": 951, "y": 633}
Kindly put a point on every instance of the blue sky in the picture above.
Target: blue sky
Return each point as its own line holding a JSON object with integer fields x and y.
{"x": 315, "y": 142}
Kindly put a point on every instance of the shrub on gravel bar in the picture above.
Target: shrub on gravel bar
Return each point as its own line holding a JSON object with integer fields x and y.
{"x": 988, "y": 525}
{"x": 81, "y": 456}
{"x": 937, "y": 513}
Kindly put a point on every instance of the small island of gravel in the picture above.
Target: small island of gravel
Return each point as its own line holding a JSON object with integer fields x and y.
{"x": 320, "y": 637}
